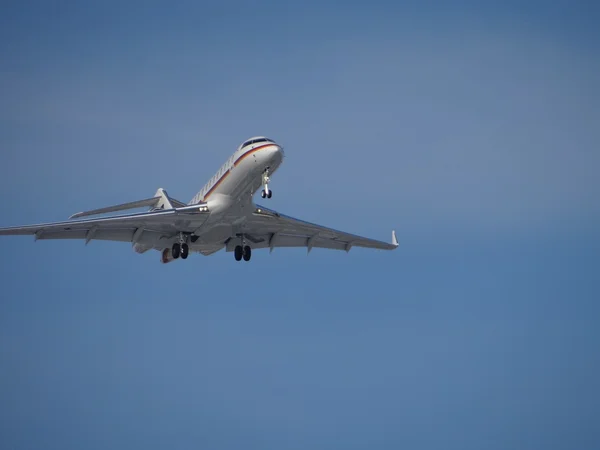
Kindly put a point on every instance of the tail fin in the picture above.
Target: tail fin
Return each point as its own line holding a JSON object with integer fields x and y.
{"x": 163, "y": 201}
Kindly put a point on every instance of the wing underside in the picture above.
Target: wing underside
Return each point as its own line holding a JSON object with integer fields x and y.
{"x": 269, "y": 229}
{"x": 264, "y": 228}
{"x": 148, "y": 227}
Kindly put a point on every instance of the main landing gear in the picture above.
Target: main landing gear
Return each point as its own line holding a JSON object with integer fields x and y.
{"x": 181, "y": 248}
{"x": 266, "y": 192}
{"x": 242, "y": 252}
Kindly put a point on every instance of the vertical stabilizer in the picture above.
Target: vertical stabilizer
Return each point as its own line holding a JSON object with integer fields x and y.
{"x": 163, "y": 201}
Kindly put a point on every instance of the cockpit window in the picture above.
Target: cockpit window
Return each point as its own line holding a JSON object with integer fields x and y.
{"x": 256, "y": 141}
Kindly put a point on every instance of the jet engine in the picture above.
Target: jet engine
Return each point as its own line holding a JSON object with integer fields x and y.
{"x": 167, "y": 256}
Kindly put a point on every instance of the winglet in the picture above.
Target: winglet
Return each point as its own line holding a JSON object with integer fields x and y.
{"x": 394, "y": 238}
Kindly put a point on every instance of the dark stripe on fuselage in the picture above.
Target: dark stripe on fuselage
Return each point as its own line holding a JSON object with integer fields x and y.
{"x": 236, "y": 162}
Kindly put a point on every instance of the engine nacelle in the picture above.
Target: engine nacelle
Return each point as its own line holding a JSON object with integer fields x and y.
{"x": 167, "y": 256}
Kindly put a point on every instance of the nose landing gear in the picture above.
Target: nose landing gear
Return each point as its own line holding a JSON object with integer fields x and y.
{"x": 266, "y": 192}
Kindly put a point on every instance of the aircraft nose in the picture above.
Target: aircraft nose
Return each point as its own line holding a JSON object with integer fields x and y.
{"x": 275, "y": 151}
{"x": 272, "y": 154}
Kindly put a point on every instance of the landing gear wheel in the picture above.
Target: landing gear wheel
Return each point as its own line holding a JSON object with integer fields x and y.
{"x": 262, "y": 194}
{"x": 270, "y": 194}
{"x": 237, "y": 252}
{"x": 176, "y": 250}
{"x": 247, "y": 253}
{"x": 185, "y": 250}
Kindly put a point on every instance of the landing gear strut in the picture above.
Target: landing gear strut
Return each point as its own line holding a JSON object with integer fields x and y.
{"x": 266, "y": 192}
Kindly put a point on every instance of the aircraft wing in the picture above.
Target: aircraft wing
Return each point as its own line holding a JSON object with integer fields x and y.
{"x": 125, "y": 228}
{"x": 266, "y": 228}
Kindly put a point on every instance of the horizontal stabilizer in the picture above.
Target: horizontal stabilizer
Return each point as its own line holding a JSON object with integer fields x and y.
{"x": 131, "y": 205}
{"x": 161, "y": 200}
{"x": 177, "y": 203}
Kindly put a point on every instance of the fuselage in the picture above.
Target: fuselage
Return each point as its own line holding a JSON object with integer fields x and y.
{"x": 240, "y": 177}
{"x": 228, "y": 194}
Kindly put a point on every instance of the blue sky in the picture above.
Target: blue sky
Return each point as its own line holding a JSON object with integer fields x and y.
{"x": 471, "y": 129}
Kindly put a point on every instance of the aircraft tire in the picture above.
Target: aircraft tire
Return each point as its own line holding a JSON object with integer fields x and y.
{"x": 237, "y": 253}
{"x": 185, "y": 251}
{"x": 176, "y": 250}
{"x": 247, "y": 253}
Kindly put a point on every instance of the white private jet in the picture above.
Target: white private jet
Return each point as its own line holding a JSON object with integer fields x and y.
{"x": 221, "y": 215}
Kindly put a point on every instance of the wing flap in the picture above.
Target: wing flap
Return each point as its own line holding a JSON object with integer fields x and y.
{"x": 122, "y": 235}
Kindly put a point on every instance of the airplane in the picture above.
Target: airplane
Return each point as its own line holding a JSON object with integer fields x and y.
{"x": 222, "y": 215}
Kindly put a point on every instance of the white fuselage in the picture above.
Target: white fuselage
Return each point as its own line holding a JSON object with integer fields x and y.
{"x": 228, "y": 195}
{"x": 241, "y": 175}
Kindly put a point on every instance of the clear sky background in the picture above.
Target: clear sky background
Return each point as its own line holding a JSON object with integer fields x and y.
{"x": 471, "y": 129}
